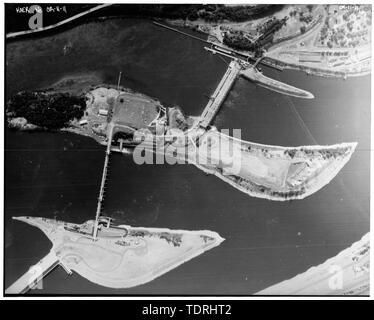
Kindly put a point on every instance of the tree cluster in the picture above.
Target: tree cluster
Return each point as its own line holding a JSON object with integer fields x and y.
{"x": 238, "y": 41}
{"x": 242, "y": 13}
{"x": 209, "y": 12}
{"x": 49, "y": 110}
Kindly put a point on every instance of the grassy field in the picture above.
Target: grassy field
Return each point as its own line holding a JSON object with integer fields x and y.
{"x": 134, "y": 111}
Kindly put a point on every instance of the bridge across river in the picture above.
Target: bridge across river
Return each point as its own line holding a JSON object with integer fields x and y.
{"x": 219, "y": 94}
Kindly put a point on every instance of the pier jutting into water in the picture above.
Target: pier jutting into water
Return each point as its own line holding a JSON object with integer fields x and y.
{"x": 103, "y": 181}
{"x": 36, "y": 273}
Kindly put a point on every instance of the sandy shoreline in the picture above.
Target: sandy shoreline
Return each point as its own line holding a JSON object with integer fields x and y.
{"x": 351, "y": 264}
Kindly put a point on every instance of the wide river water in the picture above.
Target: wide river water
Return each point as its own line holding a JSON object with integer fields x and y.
{"x": 57, "y": 175}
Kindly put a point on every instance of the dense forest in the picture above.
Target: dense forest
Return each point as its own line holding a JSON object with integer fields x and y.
{"x": 48, "y": 110}
{"x": 239, "y": 41}
{"x": 238, "y": 13}
{"x": 209, "y": 12}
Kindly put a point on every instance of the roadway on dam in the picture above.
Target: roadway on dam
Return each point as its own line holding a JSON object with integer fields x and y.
{"x": 219, "y": 95}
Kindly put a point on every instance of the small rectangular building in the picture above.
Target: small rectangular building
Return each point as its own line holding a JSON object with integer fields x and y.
{"x": 103, "y": 112}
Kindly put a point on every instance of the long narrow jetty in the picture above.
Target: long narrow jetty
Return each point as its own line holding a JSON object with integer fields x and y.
{"x": 79, "y": 15}
{"x": 251, "y": 73}
{"x": 219, "y": 94}
{"x": 256, "y": 76}
{"x": 104, "y": 175}
{"x": 35, "y": 274}
{"x": 103, "y": 181}
{"x": 179, "y": 31}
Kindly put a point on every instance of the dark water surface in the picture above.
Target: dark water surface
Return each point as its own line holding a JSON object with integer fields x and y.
{"x": 58, "y": 175}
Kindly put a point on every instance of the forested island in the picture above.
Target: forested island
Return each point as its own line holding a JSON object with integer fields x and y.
{"x": 44, "y": 109}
